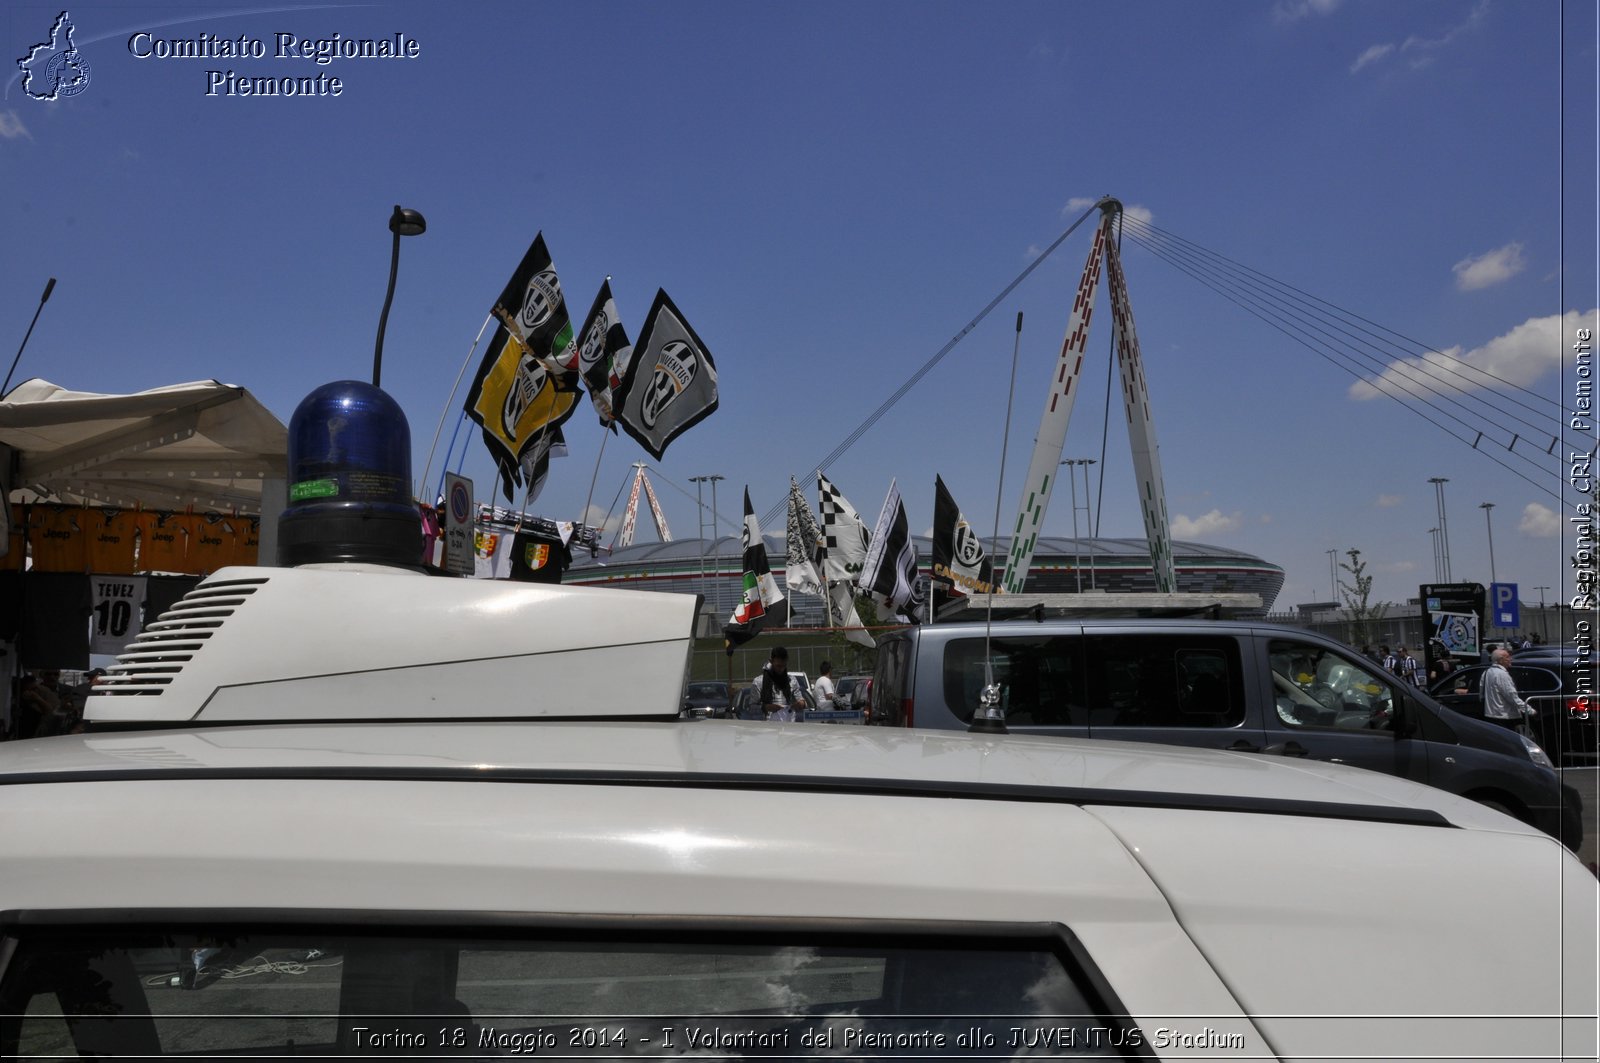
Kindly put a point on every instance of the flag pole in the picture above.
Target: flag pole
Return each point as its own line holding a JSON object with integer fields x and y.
{"x": 604, "y": 435}
{"x": 437, "y": 432}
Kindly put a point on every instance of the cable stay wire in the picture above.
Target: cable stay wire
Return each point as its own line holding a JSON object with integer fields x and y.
{"x": 850, "y": 440}
{"x": 1420, "y": 379}
{"x": 1417, "y": 348}
{"x": 1334, "y": 359}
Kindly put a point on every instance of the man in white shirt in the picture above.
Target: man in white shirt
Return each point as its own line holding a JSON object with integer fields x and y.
{"x": 825, "y": 689}
{"x": 1501, "y": 702}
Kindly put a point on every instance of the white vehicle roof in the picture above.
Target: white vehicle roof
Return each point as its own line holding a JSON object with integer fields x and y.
{"x": 1203, "y": 883}
{"x": 1315, "y": 910}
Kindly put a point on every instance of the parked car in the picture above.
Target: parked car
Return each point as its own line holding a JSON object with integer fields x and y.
{"x": 1253, "y": 688}
{"x": 1562, "y": 689}
{"x": 707, "y": 697}
{"x": 374, "y": 866}
{"x": 844, "y": 690}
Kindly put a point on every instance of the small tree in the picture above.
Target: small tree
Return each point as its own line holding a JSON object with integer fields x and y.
{"x": 1364, "y": 615}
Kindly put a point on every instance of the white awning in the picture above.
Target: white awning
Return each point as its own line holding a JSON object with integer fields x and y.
{"x": 203, "y": 444}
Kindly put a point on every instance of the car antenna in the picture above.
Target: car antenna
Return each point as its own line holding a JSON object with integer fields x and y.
{"x": 989, "y": 719}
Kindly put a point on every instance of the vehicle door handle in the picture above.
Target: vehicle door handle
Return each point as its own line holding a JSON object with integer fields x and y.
{"x": 1245, "y": 747}
{"x": 1290, "y": 748}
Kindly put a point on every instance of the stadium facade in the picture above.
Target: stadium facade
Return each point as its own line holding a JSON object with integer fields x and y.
{"x": 714, "y": 568}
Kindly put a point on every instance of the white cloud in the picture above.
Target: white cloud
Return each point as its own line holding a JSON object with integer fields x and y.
{"x": 1540, "y": 522}
{"x": 1389, "y": 501}
{"x": 1370, "y": 56}
{"x": 1426, "y": 45}
{"x": 1295, "y": 10}
{"x": 1202, "y": 527}
{"x": 1420, "y": 51}
{"x": 11, "y": 126}
{"x": 1519, "y": 357}
{"x": 1033, "y": 252}
{"x": 1491, "y": 267}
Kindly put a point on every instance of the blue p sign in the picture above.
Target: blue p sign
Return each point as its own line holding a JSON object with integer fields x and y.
{"x": 1504, "y": 605}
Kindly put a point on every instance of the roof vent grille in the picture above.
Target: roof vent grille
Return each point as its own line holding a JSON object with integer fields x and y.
{"x": 157, "y": 655}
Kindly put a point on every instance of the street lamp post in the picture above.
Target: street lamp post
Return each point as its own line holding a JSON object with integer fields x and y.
{"x": 402, "y": 222}
{"x": 1333, "y": 578}
{"x": 1438, "y": 483}
{"x": 700, "y": 528}
{"x": 1433, "y": 537}
{"x": 1487, "y": 508}
{"x": 1077, "y": 546}
{"x": 716, "y": 532}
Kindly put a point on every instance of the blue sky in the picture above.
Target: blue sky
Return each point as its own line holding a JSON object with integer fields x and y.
{"x": 829, "y": 192}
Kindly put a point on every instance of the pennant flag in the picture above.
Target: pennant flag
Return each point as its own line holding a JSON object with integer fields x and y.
{"x": 603, "y": 355}
{"x": 515, "y": 398}
{"x": 535, "y": 311}
{"x": 804, "y": 546}
{"x": 890, "y": 572}
{"x": 844, "y": 537}
{"x": 760, "y": 589}
{"x": 958, "y": 555}
{"x": 678, "y": 388}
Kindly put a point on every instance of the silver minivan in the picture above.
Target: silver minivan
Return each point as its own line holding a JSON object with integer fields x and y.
{"x": 1252, "y": 688}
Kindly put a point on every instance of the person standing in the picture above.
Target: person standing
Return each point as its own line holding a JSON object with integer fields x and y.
{"x": 1408, "y": 666}
{"x": 825, "y": 688}
{"x": 1501, "y": 702}
{"x": 776, "y": 690}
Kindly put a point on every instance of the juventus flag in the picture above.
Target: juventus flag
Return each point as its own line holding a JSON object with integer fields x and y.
{"x": 670, "y": 383}
{"x": 890, "y": 572}
{"x": 535, "y": 311}
{"x": 603, "y": 354}
{"x": 958, "y": 556}
{"x": 760, "y": 589}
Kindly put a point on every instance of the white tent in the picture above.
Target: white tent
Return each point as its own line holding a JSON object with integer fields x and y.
{"x": 201, "y": 444}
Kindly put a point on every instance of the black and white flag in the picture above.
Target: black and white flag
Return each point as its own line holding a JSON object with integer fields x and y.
{"x": 958, "y": 555}
{"x": 890, "y": 571}
{"x": 804, "y": 546}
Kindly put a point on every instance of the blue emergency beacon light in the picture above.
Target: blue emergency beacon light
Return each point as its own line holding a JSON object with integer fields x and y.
{"x": 350, "y": 463}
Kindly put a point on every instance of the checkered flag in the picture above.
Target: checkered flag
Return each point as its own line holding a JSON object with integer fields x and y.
{"x": 844, "y": 537}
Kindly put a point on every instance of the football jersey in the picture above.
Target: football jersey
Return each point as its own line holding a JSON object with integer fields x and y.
{"x": 109, "y": 534}
{"x": 214, "y": 544}
{"x": 56, "y": 536}
{"x": 163, "y": 540}
{"x": 249, "y": 551}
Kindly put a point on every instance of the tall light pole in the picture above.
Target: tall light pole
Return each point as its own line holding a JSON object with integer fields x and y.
{"x": 1438, "y": 573}
{"x": 1333, "y": 577}
{"x": 1438, "y": 483}
{"x": 1077, "y": 551}
{"x": 716, "y": 533}
{"x": 402, "y": 222}
{"x": 700, "y": 528}
{"x": 1487, "y": 508}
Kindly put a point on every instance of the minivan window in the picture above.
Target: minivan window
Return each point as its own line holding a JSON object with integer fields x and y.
{"x": 1041, "y": 678}
{"x": 1314, "y": 687}
{"x": 345, "y": 991}
{"x": 1151, "y": 680}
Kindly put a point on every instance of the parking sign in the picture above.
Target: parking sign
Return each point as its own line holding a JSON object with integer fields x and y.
{"x": 1503, "y": 605}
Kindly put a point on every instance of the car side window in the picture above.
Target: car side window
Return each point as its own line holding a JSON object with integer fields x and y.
{"x": 1316, "y": 688}
{"x": 1165, "y": 681}
{"x": 1040, "y": 677}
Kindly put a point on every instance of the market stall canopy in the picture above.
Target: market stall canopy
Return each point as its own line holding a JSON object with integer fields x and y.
{"x": 203, "y": 444}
